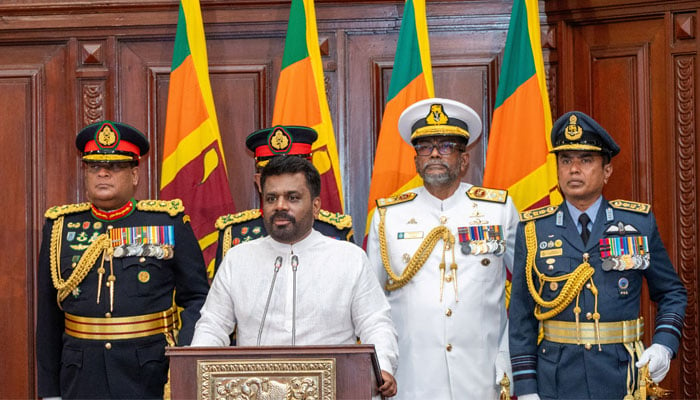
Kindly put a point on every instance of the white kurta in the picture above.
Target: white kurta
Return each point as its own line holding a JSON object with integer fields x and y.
{"x": 448, "y": 348}
{"x": 338, "y": 298}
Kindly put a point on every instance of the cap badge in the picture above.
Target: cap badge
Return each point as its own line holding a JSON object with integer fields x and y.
{"x": 436, "y": 116}
{"x": 573, "y": 131}
{"x": 106, "y": 137}
{"x": 279, "y": 140}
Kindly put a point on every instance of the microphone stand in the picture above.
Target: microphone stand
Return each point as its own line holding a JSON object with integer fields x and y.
{"x": 295, "y": 264}
{"x": 278, "y": 265}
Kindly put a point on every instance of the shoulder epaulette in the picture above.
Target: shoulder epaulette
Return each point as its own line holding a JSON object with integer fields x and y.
{"x": 230, "y": 219}
{"x": 537, "y": 213}
{"x": 393, "y": 200}
{"x": 642, "y": 208}
{"x": 487, "y": 194}
{"x": 340, "y": 221}
{"x": 172, "y": 207}
{"x": 57, "y": 211}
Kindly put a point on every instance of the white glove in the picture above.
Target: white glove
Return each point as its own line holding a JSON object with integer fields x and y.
{"x": 530, "y": 396}
{"x": 659, "y": 358}
{"x": 503, "y": 367}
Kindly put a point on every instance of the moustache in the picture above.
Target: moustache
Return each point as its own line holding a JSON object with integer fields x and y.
{"x": 283, "y": 215}
{"x": 436, "y": 162}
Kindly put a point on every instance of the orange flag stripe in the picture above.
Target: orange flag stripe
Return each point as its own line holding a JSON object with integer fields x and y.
{"x": 512, "y": 116}
{"x": 184, "y": 94}
{"x": 296, "y": 81}
{"x": 386, "y": 178}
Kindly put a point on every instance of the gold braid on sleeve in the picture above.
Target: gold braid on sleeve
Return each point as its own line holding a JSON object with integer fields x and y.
{"x": 419, "y": 257}
{"x": 574, "y": 280}
{"x": 87, "y": 260}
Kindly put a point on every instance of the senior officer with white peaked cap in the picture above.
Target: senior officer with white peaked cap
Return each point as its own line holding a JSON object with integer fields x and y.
{"x": 441, "y": 250}
{"x": 578, "y": 276}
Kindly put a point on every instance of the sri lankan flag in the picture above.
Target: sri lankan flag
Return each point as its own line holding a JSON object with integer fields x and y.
{"x": 194, "y": 167}
{"x": 394, "y": 171}
{"x": 518, "y": 157}
{"x": 301, "y": 98}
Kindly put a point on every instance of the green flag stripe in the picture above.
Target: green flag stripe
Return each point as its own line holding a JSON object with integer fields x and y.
{"x": 407, "y": 62}
{"x": 182, "y": 45}
{"x": 295, "y": 45}
{"x": 518, "y": 61}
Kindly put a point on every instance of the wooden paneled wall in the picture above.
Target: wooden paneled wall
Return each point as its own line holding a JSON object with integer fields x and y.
{"x": 67, "y": 63}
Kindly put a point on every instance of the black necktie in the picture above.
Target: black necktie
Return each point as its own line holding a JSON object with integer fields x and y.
{"x": 584, "y": 220}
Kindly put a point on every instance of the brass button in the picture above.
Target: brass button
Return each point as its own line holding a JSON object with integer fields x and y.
{"x": 485, "y": 262}
{"x": 73, "y": 265}
{"x": 110, "y": 227}
{"x": 589, "y": 315}
{"x": 588, "y": 285}
{"x": 443, "y": 220}
{"x": 108, "y": 346}
{"x": 449, "y": 347}
{"x": 553, "y": 286}
{"x": 587, "y": 346}
{"x": 142, "y": 259}
{"x": 550, "y": 267}
{"x": 448, "y": 278}
{"x": 406, "y": 258}
{"x": 108, "y": 315}
{"x": 448, "y": 312}
{"x": 544, "y": 351}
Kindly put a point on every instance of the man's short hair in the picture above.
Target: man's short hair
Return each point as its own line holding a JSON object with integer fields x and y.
{"x": 281, "y": 165}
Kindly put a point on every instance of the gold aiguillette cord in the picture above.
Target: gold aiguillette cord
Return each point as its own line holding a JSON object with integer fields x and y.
{"x": 111, "y": 279}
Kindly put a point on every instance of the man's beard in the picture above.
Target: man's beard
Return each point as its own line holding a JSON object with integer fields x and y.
{"x": 289, "y": 233}
{"x": 443, "y": 178}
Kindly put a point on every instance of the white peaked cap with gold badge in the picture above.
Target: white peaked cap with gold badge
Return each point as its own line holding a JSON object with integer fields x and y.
{"x": 439, "y": 117}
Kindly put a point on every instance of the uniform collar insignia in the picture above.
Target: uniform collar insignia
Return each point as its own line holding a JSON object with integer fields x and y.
{"x": 560, "y": 218}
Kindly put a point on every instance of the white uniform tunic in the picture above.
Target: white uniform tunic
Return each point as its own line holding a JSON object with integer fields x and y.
{"x": 448, "y": 348}
{"x": 338, "y": 298}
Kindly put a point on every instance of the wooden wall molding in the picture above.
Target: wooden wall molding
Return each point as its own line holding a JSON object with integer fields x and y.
{"x": 687, "y": 220}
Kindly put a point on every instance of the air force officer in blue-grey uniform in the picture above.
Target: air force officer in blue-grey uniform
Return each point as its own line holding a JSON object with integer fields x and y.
{"x": 578, "y": 273}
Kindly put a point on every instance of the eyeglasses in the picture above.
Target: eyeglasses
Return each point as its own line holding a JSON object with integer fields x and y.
{"x": 444, "y": 148}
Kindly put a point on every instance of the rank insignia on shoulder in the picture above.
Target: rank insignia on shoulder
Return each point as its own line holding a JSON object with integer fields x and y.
{"x": 642, "y": 208}
{"x": 340, "y": 221}
{"x": 487, "y": 194}
{"x": 57, "y": 211}
{"x": 237, "y": 218}
{"x": 172, "y": 207}
{"x": 537, "y": 213}
{"x": 393, "y": 200}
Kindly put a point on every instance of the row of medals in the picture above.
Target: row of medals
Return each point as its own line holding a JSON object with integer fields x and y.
{"x": 161, "y": 252}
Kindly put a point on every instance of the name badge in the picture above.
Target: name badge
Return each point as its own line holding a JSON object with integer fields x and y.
{"x": 410, "y": 235}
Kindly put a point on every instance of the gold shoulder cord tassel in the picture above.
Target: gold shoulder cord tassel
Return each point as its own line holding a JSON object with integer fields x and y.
{"x": 419, "y": 257}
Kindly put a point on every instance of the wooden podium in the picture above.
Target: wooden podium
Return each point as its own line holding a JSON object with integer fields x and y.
{"x": 273, "y": 372}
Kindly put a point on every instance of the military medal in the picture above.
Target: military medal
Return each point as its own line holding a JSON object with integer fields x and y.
{"x": 622, "y": 286}
{"x": 481, "y": 239}
{"x": 621, "y": 253}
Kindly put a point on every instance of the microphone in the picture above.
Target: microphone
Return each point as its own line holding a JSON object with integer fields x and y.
{"x": 278, "y": 265}
{"x": 295, "y": 264}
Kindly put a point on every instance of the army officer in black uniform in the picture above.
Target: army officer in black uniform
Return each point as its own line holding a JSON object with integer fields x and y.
{"x": 107, "y": 278}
